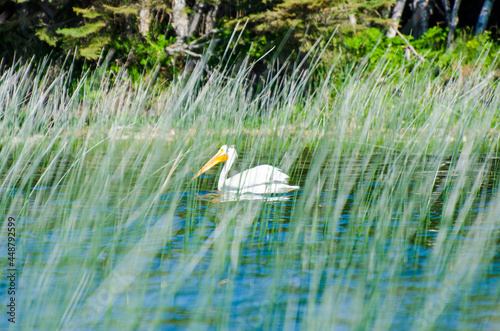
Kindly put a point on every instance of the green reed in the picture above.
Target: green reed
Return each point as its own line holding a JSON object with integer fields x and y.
{"x": 97, "y": 175}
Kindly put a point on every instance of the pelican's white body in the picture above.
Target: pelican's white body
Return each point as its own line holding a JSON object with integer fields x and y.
{"x": 263, "y": 179}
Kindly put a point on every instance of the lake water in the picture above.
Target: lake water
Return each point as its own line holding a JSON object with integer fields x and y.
{"x": 210, "y": 264}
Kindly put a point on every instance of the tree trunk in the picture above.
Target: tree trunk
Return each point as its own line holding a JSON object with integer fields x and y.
{"x": 210, "y": 18}
{"x": 447, "y": 9}
{"x": 396, "y": 17}
{"x": 453, "y": 22}
{"x": 145, "y": 17}
{"x": 422, "y": 12}
{"x": 199, "y": 9}
{"x": 484, "y": 16}
{"x": 180, "y": 21}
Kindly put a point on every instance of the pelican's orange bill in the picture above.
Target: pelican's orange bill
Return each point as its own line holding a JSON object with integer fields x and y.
{"x": 216, "y": 159}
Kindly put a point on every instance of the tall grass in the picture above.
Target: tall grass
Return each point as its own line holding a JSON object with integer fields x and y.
{"x": 396, "y": 224}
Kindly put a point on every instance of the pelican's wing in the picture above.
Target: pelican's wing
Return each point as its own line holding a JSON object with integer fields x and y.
{"x": 260, "y": 175}
{"x": 260, "y": 180}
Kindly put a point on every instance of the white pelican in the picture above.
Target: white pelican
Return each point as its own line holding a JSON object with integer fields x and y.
{"x": 259, "y": 180}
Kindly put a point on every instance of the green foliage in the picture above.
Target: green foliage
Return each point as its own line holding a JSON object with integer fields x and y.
{"x": 87, "y": 13}
{"x": 112, "y": 25}
{"x": 94, "y": 48}
{"x": 146, "y": 54}
{"x": 434, "y": 40}
{"x": 123, "y": 10}
{"x": 363, "y": 42}
{"x": 467, "y": 50}
{"x": 82, "y": 31}
{"x": 372, "y": 45}
{"x": 43, "y": 35}
{"x": 292, "y": 27}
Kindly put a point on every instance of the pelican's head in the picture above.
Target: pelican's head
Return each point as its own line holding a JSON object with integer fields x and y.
{"x": 225, "y": 152}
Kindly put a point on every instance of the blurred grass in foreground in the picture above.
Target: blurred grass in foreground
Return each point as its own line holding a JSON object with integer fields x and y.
{"x": 396, "y": 224}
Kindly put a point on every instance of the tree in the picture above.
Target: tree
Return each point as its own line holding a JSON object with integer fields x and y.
{"x": 187, "y": 25}
{"x": 422, "y": 12}
{"x": 417, "y": 15}
{"x": 484, "y": 16}
{"x": 180, "y": 20}
{"x": 396, "y": 17}
{"x": 452, "y": 24}
{"x": 144, "y": 17}
{"x": 447, "y": 9}
{"x": 140, "y": 31}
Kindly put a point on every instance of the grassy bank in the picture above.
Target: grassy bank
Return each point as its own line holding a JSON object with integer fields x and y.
{"x": 395, "y": 225}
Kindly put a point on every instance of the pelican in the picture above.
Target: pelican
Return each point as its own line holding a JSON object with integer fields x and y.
{"x": 259, "y": 180}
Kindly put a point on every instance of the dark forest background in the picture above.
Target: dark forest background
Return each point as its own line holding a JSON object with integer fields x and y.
{"x": 141, "y": 34}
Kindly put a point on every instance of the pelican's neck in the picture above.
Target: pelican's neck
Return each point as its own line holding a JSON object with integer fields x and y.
{"x": 225, "y": 170}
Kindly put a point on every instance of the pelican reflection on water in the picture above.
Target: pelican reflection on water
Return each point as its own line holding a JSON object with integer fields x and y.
{"x": 263, "y": 179}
